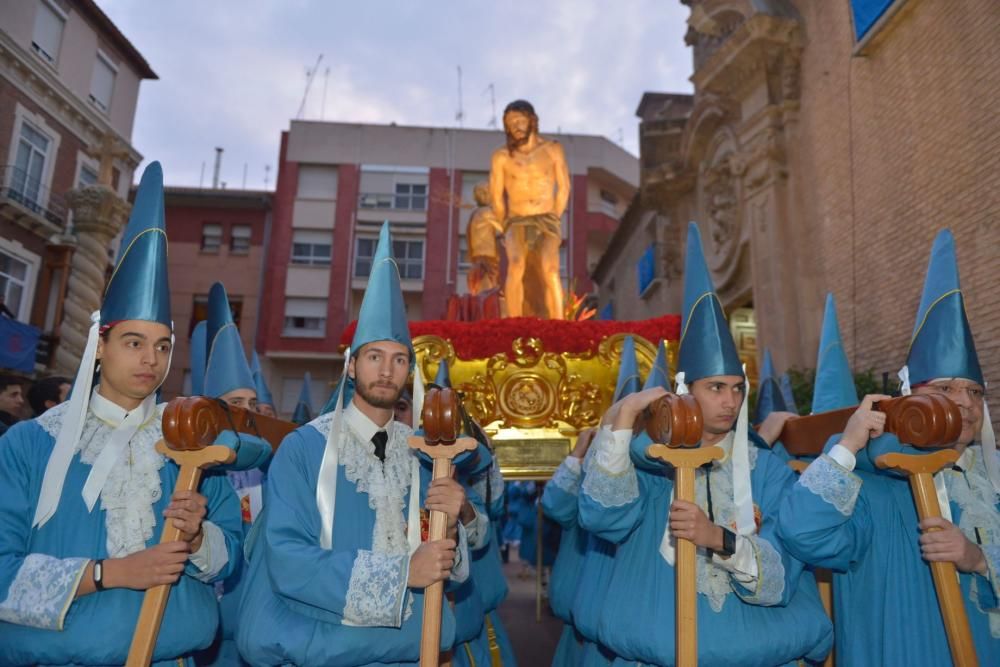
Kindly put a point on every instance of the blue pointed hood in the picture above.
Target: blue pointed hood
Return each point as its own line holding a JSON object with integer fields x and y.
{"x": 303, "y": 409}
{"x": 443, "y": 377}
{"x": 942, "y": 345}
{"x": 706, "y": 347}
{"x": 769, "y": 398}
{"x": 834, "y": 385}
{"x": 138, "y": 289}
{"x": 628, "y": 372}
{"x": 199, "y": 349}
{"x": 786, "y": 392}
{"x": 226, "y": 368}
{"x": 263, "y": 392}
{"x": 383, "y": 314}
{"x": 659, "y": 374}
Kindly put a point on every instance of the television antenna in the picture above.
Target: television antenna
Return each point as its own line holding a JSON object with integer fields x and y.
{"x": 493, "y": 105}
{"x": 310, "y": 75}
{"x": 460, "y": 114}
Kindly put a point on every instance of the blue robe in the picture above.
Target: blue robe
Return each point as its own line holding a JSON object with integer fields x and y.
{"x": 97, "y": 628}
{"x": 863, "y": 526}
{"x": 778, "y": 621}
{"x": 488, "y": 580}
{"x": 346, "y": 606}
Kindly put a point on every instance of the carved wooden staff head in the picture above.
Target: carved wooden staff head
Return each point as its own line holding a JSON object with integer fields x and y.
{"x": 923, "y": 420}
{"x": 675, "y": 421}
{"x": 442, "y": 421}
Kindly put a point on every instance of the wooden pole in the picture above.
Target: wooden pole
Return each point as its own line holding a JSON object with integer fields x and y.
{"x": 154, "y": 602}
{"x": 685, "y": 461}
{"x": 920, "y": 469}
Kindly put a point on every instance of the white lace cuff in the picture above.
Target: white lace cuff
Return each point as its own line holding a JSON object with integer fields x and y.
{"x": 770, "y": 581}
{"x": 478, "y": 530}
{"x": 742, "y": 565}
{"x": 567, "y": 476}
{"x": 212, "y": 555}
{"x": 43, "y": 591}
{"x": 843, "y": 456}
{"x": 460, "y": 570}
{"x": 831, "y": 482}
{"x": 608, "y": 489}
{"x": 377, "y": 590}
{"x": 612, "y": 450}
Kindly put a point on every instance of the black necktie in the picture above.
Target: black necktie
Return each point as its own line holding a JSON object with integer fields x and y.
{"x": 379, "y": 440}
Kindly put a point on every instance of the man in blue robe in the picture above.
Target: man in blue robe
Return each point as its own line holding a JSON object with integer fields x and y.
{"x": 338, "y": 568}
{"x": 228, "y": 377}
{"x": 860, "y": 521}
{"x": 85, "y": 492}
{"x": 748, "y": 587}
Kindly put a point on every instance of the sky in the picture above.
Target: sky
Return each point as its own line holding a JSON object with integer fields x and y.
{"x": 234, "y": 73}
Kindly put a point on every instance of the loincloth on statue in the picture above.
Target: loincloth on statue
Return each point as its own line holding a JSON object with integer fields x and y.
{"x": 536, "y": 227}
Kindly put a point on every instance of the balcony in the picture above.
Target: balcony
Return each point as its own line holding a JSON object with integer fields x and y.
{"x": 26, "y": 202}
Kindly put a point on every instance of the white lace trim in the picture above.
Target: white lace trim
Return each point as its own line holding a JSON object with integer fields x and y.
{"x": 770, "y": 573}
{"x": 610, "y": 490}
{"x": 376, "y": 590}
{"x": 385, "y": 483}
{"x": 567, "y": 480}
{"x": 832, "y": 483}
{"x": 132, "y": 487}
{"x": 974, "y": 494}
{"x": 42, "y": 591}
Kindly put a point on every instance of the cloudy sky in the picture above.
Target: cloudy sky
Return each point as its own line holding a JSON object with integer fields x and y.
{"x": 233, "y": 73}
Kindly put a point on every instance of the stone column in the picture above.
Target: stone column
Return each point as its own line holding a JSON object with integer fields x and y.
{"x": 99, "y": 215}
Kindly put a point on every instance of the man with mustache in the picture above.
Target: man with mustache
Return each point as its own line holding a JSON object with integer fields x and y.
{"x": 337, "y": 568}
{"x": 529, "y": 188}
{"x": 848, "y": 515}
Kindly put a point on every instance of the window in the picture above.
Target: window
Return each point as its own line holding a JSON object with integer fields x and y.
{"x": 409, "y": 256}
{"x": 211, "y": 238}
{"x": 102, "y": 83}
{"x": 14, "y": 276}
{"x": 29, "y": 166}
{"x": 317, "y": 182}
{"x": 410, "y": 196}
{"x": 463, "y": 254}
{"x": 49, "y": 24}
{"x": 311, "y": 247}
{"x": 88, "y": 176}
{"x": 305, "y": 318}
{"x": 239, "y": 240}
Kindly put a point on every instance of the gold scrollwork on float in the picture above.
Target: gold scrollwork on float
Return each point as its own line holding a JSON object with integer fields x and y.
{"x": 532, "y": 402}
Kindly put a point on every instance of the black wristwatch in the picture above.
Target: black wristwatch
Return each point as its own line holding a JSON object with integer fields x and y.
{"x": 728, "y": 543}
{"x": 99, "y": 574}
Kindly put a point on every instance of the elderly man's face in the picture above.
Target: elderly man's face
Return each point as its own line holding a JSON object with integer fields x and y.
{"x": 968, "y": 395}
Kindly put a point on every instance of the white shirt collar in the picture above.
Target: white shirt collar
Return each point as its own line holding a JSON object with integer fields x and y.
{"x": 360, "y": 423}
{"x": 113, "y": 414}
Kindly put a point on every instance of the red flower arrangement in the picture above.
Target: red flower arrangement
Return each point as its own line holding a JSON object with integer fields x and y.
{"x": 485, "y": 338}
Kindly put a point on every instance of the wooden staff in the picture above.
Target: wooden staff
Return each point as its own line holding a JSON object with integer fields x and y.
{"x": 442, "y": 424}
{"x": 190, "y": 425}
{"x": 922, "y": 420}
{"x": 920, "y": 469}
{"x": 677, "y": 421}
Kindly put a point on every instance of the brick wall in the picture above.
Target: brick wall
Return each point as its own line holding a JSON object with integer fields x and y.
{"x": 895, "y": 145}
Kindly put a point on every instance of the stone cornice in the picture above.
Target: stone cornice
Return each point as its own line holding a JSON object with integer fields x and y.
{"x": 38, "y": 80}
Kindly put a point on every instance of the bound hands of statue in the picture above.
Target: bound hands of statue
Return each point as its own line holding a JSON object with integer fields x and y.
{"x": 866, "y": 423}
{"x": 624, "y": 413}
{"x": 949, "y": 544}
{"x": 583, "y": 441}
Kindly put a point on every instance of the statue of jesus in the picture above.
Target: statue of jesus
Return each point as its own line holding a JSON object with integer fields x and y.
{"x": 529, "y": 188}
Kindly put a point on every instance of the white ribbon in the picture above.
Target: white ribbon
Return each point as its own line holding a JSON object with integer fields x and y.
{"x": 413, "y": 520}
{"x": 742, "y": 496}
{"x": 418, "y": 396}
{"x": 679, "y": 382}
{"x": 904, "y": 377}
{"x": 989, "y": 440}
{"x": 326, "y": 483}
{"x": 69, "y": 432}
{"x": 114, "y": 448}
